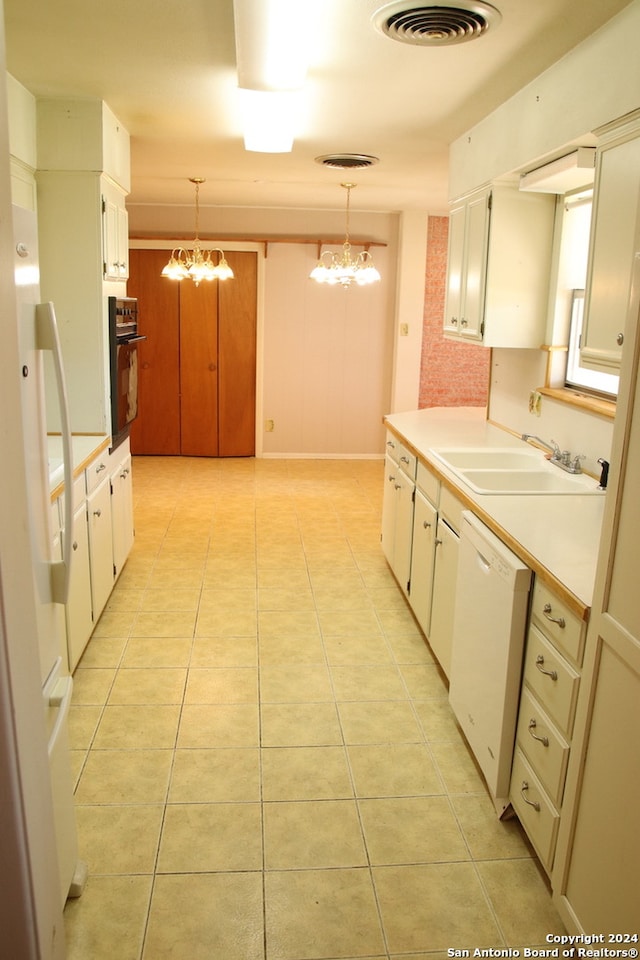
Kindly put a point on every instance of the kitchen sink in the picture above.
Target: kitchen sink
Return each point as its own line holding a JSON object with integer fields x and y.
{"x": 500, "y": 470}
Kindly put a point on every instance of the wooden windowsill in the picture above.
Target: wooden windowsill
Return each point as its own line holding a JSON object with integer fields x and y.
{"x": 605, "y": 408}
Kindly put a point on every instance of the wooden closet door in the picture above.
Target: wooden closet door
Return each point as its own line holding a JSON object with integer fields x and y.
{"x": 237, "y": 357}
{"x": 199, "y": 368}
{"x": 156, "y": 430}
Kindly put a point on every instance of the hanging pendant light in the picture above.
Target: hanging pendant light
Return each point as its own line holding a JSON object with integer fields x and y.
{"x": 196, "y": 263}
{"x": 342, "y": 268}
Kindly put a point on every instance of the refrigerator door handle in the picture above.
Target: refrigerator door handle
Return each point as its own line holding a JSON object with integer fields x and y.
{"x": 60, "y": 699}
{"x": 48, "y": 339}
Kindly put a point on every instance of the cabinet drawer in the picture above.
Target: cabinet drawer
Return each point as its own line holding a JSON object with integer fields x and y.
{"x": 545, "y": 748}
{"x": 558, "y": 622}
{"x": 451, "y": 509}
{"x": 553, "y": 680}
{"x": 535, "y": 811}
{"x": 96, "y": 471}
{"x": 392, "y": 446}
{"x": 407, "y": 461}
{"x": 428, "y": 483}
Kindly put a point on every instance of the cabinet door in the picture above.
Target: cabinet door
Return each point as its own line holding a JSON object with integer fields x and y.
{"x": 477, "y": 233}
{"x": 444, "y": 591}
{"x": 78, "y": 609}
{"x": 100, "y": 546}
{"x": 425, "y": 518}
{"x": 237, "y": 301}
{"x": 199, "y": 369}
{"x": 453, "y": 308}
{"x": 611, "y": 255}
{"x": 389, "y": 508}
{"x": 121, "y": 514}
{"x": 404, "y": 530}
{"x": 156, "y": 430}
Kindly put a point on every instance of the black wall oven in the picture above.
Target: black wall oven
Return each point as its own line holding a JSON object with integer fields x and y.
{"x": 123, "y": 350}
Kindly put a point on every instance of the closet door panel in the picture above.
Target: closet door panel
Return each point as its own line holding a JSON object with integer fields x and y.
{"x": 199, "y": 369}
{"x": 156, "y": 429}
{"x": 237, "y": 353}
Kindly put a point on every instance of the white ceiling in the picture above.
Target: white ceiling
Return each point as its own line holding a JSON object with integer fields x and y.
{"x": 167, "y": 70}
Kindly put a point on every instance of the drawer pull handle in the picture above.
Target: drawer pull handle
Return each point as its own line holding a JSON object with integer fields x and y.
{"x": 391, "y": 444}
{"x": 543, "y": 740}
{"x": 559, "y": 620}
{"x": 532, "y": 803}
{"x": 404, "y": 459}
{"x": 540, "y": 665}
{"x": 101, "y": 467}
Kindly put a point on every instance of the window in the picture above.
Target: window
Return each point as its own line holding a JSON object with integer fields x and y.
{"x": 578, "y": 376}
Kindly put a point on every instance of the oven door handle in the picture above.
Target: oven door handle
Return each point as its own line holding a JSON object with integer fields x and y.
{"x": 48, "y": 339}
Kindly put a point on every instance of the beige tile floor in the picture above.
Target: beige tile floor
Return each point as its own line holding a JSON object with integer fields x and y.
{"x": 267, "y": 766}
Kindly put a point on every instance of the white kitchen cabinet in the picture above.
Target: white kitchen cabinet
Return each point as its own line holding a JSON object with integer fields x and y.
{"x": 444, "y": 592}
{"x": 425, "y": 520}
{"x": 121, "y": 507}
{"x": 100, "y": 545}
{"x": 397, "y": 514}
{"x": 79, "y": 609}
{"x": 595, "y": 876}
{"x": 82, "y": 161}
{"x": 611, "y": 248}
{"x": 115, "y": 225}
{"x": 500, "y": 242}
{"x": 551, "y": 682}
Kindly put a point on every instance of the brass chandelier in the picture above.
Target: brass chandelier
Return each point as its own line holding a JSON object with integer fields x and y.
{"x": 342, "y": 268}
{"x": 196, "y": 263}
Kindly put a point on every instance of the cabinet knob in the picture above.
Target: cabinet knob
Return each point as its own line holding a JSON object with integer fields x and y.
{"x": 426, "y": 524}
{"x": 559, "y": 620}
{"x": 523, "y": 792}
{"x": 97, "y": 513}
{"x": 532, "y": 726}
{"x": 540, "y": 665}
{"x": 620, "y": 339}
{"x": 454, "y": 321}
{"x": 463, "y": 322}
{"x": 75, "y": 544}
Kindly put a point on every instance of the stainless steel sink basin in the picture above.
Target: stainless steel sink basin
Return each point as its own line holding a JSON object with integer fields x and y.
{"x": 501, "y": 470}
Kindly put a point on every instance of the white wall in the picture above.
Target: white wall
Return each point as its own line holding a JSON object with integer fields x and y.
{"x": 327, "y": 359}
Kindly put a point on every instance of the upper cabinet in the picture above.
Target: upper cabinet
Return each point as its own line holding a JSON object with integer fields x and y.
{"x": 611, "y": 250}
{"x": 82, "y": 181}
{"x": 500, "y": 243}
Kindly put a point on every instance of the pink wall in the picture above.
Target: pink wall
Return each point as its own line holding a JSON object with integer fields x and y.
{"x": 451, "y": 374}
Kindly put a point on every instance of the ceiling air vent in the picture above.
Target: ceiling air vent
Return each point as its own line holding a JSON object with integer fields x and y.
{"x": 435, "y": 24}
{"x": 346, "y": 161}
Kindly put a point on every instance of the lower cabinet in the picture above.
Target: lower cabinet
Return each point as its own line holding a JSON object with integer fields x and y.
{"x": 100, "y": 546}
{"x": 425, "y": 520}
{"x": 102, "y": 537}
{"x": 78, "y": 609}
{"x": 551, "y": 680}
{"x": 444, "y": 591}
{"x": 121, "y": 513}
{"x": 397, "y": 513}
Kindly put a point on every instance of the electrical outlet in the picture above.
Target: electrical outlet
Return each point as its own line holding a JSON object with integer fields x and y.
{"x": 535, "y": 403}
{"x": 269, "y": 426}
{"x": 404, "y": 329}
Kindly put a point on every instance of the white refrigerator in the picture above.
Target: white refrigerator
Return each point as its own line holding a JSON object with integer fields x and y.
{"x": 39, "y": 348}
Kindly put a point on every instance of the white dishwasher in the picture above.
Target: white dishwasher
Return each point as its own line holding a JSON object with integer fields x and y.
{"x": 492, "y": 593}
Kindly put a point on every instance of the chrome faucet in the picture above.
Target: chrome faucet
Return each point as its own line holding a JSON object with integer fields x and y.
{"x": 552, "y": 447}
{"x": 568, "y": 462}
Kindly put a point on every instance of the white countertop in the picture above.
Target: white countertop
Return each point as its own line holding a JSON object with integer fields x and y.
{"x": 85, "y": 447}
{"x": 558, "y": 536}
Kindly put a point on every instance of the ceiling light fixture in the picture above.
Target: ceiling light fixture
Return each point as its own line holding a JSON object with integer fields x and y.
{"x": 273, "y": 39}
{"x": 197, "y": 263}
{"x": 342, "y": 268}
